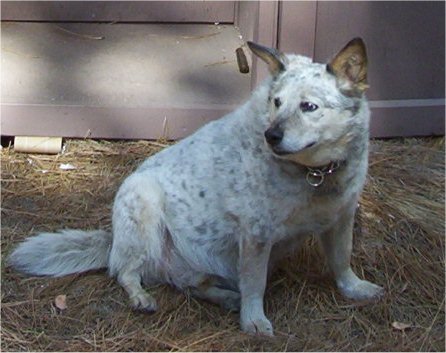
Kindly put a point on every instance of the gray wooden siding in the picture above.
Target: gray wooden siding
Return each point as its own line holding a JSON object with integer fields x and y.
{"x": 406, "y": 50}
{"x": 405, "y": 41}
{"x": 121, "y": 11}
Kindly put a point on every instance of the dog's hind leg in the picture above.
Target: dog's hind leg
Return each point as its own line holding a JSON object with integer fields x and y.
{"x": 138, "y": 238}
{"x": 337, "y": 245}
{"x": 215, "y": 290}
{"x": 130, "y": 280}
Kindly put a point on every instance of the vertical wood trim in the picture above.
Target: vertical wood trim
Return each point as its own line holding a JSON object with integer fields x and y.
{"x": 266, "y": 34}
{"x": 237, "y": 15}
{"x": 246, "y": 18}
{"x": 267, "y": 17}
{"x": 297, "y": 27}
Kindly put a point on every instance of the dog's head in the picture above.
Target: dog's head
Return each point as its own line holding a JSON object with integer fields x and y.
{"x": 315, "y": 109}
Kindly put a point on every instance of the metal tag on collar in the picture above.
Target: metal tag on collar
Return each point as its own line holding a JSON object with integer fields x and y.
{"x": 316, "y": 176}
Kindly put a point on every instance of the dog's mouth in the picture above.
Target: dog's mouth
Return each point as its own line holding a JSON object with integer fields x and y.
{"x": 282, "y": 152}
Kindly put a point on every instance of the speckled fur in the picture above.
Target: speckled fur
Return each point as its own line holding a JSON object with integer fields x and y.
{"x": 212, "y": 212}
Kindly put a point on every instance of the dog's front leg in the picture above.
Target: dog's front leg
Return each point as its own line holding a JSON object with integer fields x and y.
{"x": 254, "y": 258}
{"x": 337, "y": 245}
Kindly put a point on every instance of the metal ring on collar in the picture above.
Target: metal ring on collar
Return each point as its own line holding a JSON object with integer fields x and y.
{"x": 315, "y": 177}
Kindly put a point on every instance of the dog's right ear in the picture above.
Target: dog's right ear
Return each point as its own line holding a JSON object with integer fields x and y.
{"x": 350, "y": 67}
{"x": 274, "y": 58}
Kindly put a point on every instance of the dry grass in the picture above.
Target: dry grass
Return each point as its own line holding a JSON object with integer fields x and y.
{"x": 399, "y": 243}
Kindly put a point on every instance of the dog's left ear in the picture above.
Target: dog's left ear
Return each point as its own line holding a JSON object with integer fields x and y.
{"x": 350, "y": 67}
{"x": 274, "y": 58}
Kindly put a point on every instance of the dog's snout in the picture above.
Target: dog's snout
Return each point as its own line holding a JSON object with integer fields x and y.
{"x": 274, "y": 135}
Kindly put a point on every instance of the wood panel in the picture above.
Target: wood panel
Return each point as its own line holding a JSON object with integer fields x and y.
{"x": 121, "y": 11}
{"x": 423, "y": 120}
{"x": 106, "y": 122}
{"x": 406, "y": 50}
{"x": 405, "y": 41}
{"x": 124, "y": 80}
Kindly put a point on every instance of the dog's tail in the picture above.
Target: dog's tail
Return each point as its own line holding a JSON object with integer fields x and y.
{"x": 63, "y": 253}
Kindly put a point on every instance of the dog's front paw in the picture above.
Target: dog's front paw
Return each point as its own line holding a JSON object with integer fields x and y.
{"x": 362, "y": 290}
{"x": 258, "y": 326}
{"x": 144, "y": 302}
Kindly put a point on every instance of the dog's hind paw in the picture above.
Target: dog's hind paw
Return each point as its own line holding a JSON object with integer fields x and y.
{"x": 259, "y": 326}
{"x": 232, "y": 302}
{"x": 362, "y": 290}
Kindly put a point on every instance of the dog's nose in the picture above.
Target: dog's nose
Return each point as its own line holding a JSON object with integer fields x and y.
{"x": 274, "y": 135}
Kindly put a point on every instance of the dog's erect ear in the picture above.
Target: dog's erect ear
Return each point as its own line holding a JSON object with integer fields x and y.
{"x": 274, "y": 58}
{"x": 350, "y": 66}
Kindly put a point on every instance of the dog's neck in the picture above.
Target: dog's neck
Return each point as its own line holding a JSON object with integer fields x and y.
{"x": 316, "y": 176}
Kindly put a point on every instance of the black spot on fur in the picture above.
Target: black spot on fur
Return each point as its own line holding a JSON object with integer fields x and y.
{"x": 184, "y": 202}
{"x": 245, "y": 144}
{"x": 214, "y": 227}
{"x": 231, "y": 217}
{"x": 201, "y": 193}
{"x": 201, "y": 229}
{"x": 257, "y": 151}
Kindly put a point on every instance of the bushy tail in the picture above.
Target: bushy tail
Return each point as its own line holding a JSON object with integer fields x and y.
{"x": 59, "y": 254}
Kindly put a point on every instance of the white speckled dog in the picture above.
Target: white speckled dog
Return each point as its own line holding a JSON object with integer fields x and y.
{"x": 212, "y": 213}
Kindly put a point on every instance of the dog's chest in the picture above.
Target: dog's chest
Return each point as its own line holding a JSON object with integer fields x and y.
{"x": 306, "y": 214}
{"x": 316, "y": 215}
{"x": 280, "y": 203}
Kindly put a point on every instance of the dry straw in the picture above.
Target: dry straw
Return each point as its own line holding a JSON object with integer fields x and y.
{"x": 399, "y": 243}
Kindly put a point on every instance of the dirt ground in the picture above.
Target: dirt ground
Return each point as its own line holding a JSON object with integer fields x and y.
{"x": 399, "y": 243}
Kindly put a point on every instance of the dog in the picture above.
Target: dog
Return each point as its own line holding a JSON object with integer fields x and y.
{"x": 212, "y": 214}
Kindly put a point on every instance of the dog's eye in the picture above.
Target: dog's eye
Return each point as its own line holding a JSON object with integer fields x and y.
{"x": 308, "y": 107}
{"x": 277, "y": 102}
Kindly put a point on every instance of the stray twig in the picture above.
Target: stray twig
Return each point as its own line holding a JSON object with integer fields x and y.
{"x": 220, "y": 63}
{"x": 86, "y": 36}
{"x": 431, "y": 325}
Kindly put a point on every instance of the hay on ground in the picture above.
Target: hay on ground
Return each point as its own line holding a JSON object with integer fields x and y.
{"x": 399, "y": 243}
